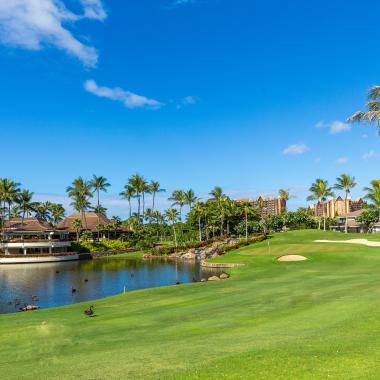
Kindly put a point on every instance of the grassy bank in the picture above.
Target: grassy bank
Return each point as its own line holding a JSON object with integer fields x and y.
{"x": 314, "y": 319}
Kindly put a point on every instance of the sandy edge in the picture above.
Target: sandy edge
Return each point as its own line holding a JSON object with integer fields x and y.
{"x": 352, "y": 241}
{"x": 292, "y": 258}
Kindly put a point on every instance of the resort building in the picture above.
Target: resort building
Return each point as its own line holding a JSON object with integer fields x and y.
{"x": 352, "y": 224}
{"x": 266, "y": 206}
{"x": 33, "y": 236}
{"x": 337, "y": 207}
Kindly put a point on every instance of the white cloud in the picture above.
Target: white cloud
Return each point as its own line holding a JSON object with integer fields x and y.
{"x": 93, "y": 9}
{"x": 35, "y": 24}
{"x": 182, "y": 2}
{"x": 295, "y": 149}
{"x": 189, "y": 100}
{"x": 334, "y": 127}
{"x": 341, "y": 160}
{"x": 365, "y": 136}
{"x": 317, "y": 160}
{"x": 129, "y": 99}
{"x": 369, "y": 155}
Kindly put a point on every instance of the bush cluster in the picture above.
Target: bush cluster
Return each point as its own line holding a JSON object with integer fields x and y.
{"x": 163, "y": 251}
{"x": 100, "y": 246}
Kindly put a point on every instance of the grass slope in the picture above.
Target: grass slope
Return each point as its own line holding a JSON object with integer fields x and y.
{"x": 308, "y": 320}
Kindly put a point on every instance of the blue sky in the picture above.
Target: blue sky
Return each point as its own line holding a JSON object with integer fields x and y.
{"x": 248, "y": 95}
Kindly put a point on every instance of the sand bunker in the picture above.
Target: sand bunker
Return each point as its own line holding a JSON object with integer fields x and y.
{"x": 352, "y": 241}
{"x": 292, "y": 258}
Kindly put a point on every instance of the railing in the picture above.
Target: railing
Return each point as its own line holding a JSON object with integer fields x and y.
{"x": 2, "y": 255}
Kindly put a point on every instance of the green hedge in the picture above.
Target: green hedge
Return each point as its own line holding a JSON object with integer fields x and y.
{"x": 100, "y": 246}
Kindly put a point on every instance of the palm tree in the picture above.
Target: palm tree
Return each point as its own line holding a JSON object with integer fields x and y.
{"x": 139, "y": 184}
{"x": 77, "y": 226}
{"x": 199, "y": 211}
{"x": 24, "y": 201}
{"x": 190, "y": 198}
{"x": 285, "y": 195}
{"x": 173, "y": 216}
{"x": 116, "y": 224}
{"x": 99, "y": 183}
{"x": 218, "y": 196}
{"x": 80, "y": 192}
{"x": 155, "y": 188}
{"x": 43, "y": 210}
{"x": 100, "y": 210}
{"x": 57, "y": 213}
{"x": 128, "y": 193}
{"x": 178, "y": 199}
{"x": 8, "y": 194}
{"x": 345, "y": 182}
{"x": 372, "y": 114}
{"x": 320, "y": 190}
{"x": 247, "y": 210}
{"x": 373, "y": 194}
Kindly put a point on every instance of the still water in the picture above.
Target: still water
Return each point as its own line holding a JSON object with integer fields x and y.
{"x": 52, "y": 284}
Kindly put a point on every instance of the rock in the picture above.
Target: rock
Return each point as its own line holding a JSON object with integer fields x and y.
{"x": 146, "y": 256}
{"x": 189, "y": 256}
{"x": 203, "y": 280}
{"x": 224, "y": 276}
{"x": 213, "y": 278}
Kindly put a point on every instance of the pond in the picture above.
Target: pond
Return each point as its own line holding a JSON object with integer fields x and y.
{"x": 52, "y": 284}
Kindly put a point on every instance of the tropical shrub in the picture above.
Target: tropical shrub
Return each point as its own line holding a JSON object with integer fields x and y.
{"x": 100, "y": 246}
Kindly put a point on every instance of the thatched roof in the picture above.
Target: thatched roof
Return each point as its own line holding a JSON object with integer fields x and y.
{"x": 27, "y": 225}
{"x": 89, "y": 221}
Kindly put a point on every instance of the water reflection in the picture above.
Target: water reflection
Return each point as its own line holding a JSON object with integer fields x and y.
{"x": 53, "y": 284}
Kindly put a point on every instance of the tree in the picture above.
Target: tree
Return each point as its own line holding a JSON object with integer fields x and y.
{"x": 80, "y": 191}
{"x": 199, "y": 211}
{"x": 24, "y": 201}
{"x": 345, "y": 182}
{"x": 178, "y": 199}
{"x": 140, "y": 187}
{"x": 373, "y": 195}
{"x": 247, "y": 210}
{"x": 8, "y": 194}
{"x": 116, "y": 224}
{"x": 320, "y": 190}
{"x": 372, "y": 114}
{"x": 43, "y": 210}
{"x": 128, "y": 193}
{"x": 98, "y": 184}
{"x": 57, "y": 213}
{"x": 218, "y": 197}
{"x": 77, "y": 226}
{"x": 368, "y": 218}
{"x": 285, "y": 195}
{"x": 173, "y": 215}
{"x": 154, "y": 188}
{"x": 190, "y": 198}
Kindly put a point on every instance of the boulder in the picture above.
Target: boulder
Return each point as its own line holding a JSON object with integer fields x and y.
{"x": 224, "y": 276}
{"x": 213, "y": 278}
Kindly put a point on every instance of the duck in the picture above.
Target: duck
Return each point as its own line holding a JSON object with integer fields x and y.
{"x": 73, "y": 290}
{"x": 89, "y": 312}
{"x": 86, "y": 280}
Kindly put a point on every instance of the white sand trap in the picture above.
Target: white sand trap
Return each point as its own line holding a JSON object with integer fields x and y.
{"x": 292, "y": 258}
{"x": 352, "y": 241}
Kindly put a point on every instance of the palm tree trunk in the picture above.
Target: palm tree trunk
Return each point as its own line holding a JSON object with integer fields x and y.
{"x": 199, "y": 228}
{"x": 153, "y": 199}
{"x": 246, "y": 226}
{"x": 130, "y": 208}
{"x": 143, "y": 203}
{"x": 175, "y": 236}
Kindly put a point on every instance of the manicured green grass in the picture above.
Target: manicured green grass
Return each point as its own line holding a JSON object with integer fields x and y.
{"x": 315, "y": 319}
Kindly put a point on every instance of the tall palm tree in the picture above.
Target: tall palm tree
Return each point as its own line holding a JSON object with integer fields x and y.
{"x": 247, "y": 210}
{"x": 217, "y": 194}
{"x": 57, "y": 213}
{"x": 139, "y": 184}
{"x": 99, "y": 183}
{"x": 320, "y": 190}
{"x": 173, "y": 216}
{"x": 24, "y": 201}
{"x": 199, "y": 211}
{"x": 219, "y": 197}
{"x": 372, "y": 114}
{"x": 285, "y": 195}
{"x": 77, "y": 226}
{"x": 373, "y": 194}
{"x": 80, "y": 191}
{"x": 190, "y": 198}
{"x": 155, "y": 188}
{"x": 8, "y": 194}
{"x": 43, "y": 210}
{"x": 128, "y": 193}
{"x": 178, "y": 199}
{"x": 347, "y": 183}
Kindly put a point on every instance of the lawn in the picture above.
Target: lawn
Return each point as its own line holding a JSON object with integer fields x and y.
{"x": 315, "y": 319}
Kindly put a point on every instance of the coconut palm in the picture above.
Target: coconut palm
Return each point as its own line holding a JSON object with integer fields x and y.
{"x": 24, "y": 201}
{"x": 373, "y": 194}
{"x": 372, "y": 114}
{"x": 57, "y": 213}
{"x": 178, "y": 199}
{"x": 199, "y": 211}
{"x": 247, "y": 210}
{"x": 98, "y": 184}
{"x": 173, "y": 215}
{"x": 100, "y": 210}
{"x": 285, "y": 195}
{"x": 43, "y": 210}
{"x": 320, "y": 190}
{"x": 128, "y": 193}
{"x": 8, "y": 194}
{"x": 154, "y": 188}
{"x": 217, "y": 194}
{"x": 347, "y": 183}
{"x": 190, "y": 198}
{"x": 139, "y": 185}
{"x": 77, "y": 226}
{"x": 80, "y": 191}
